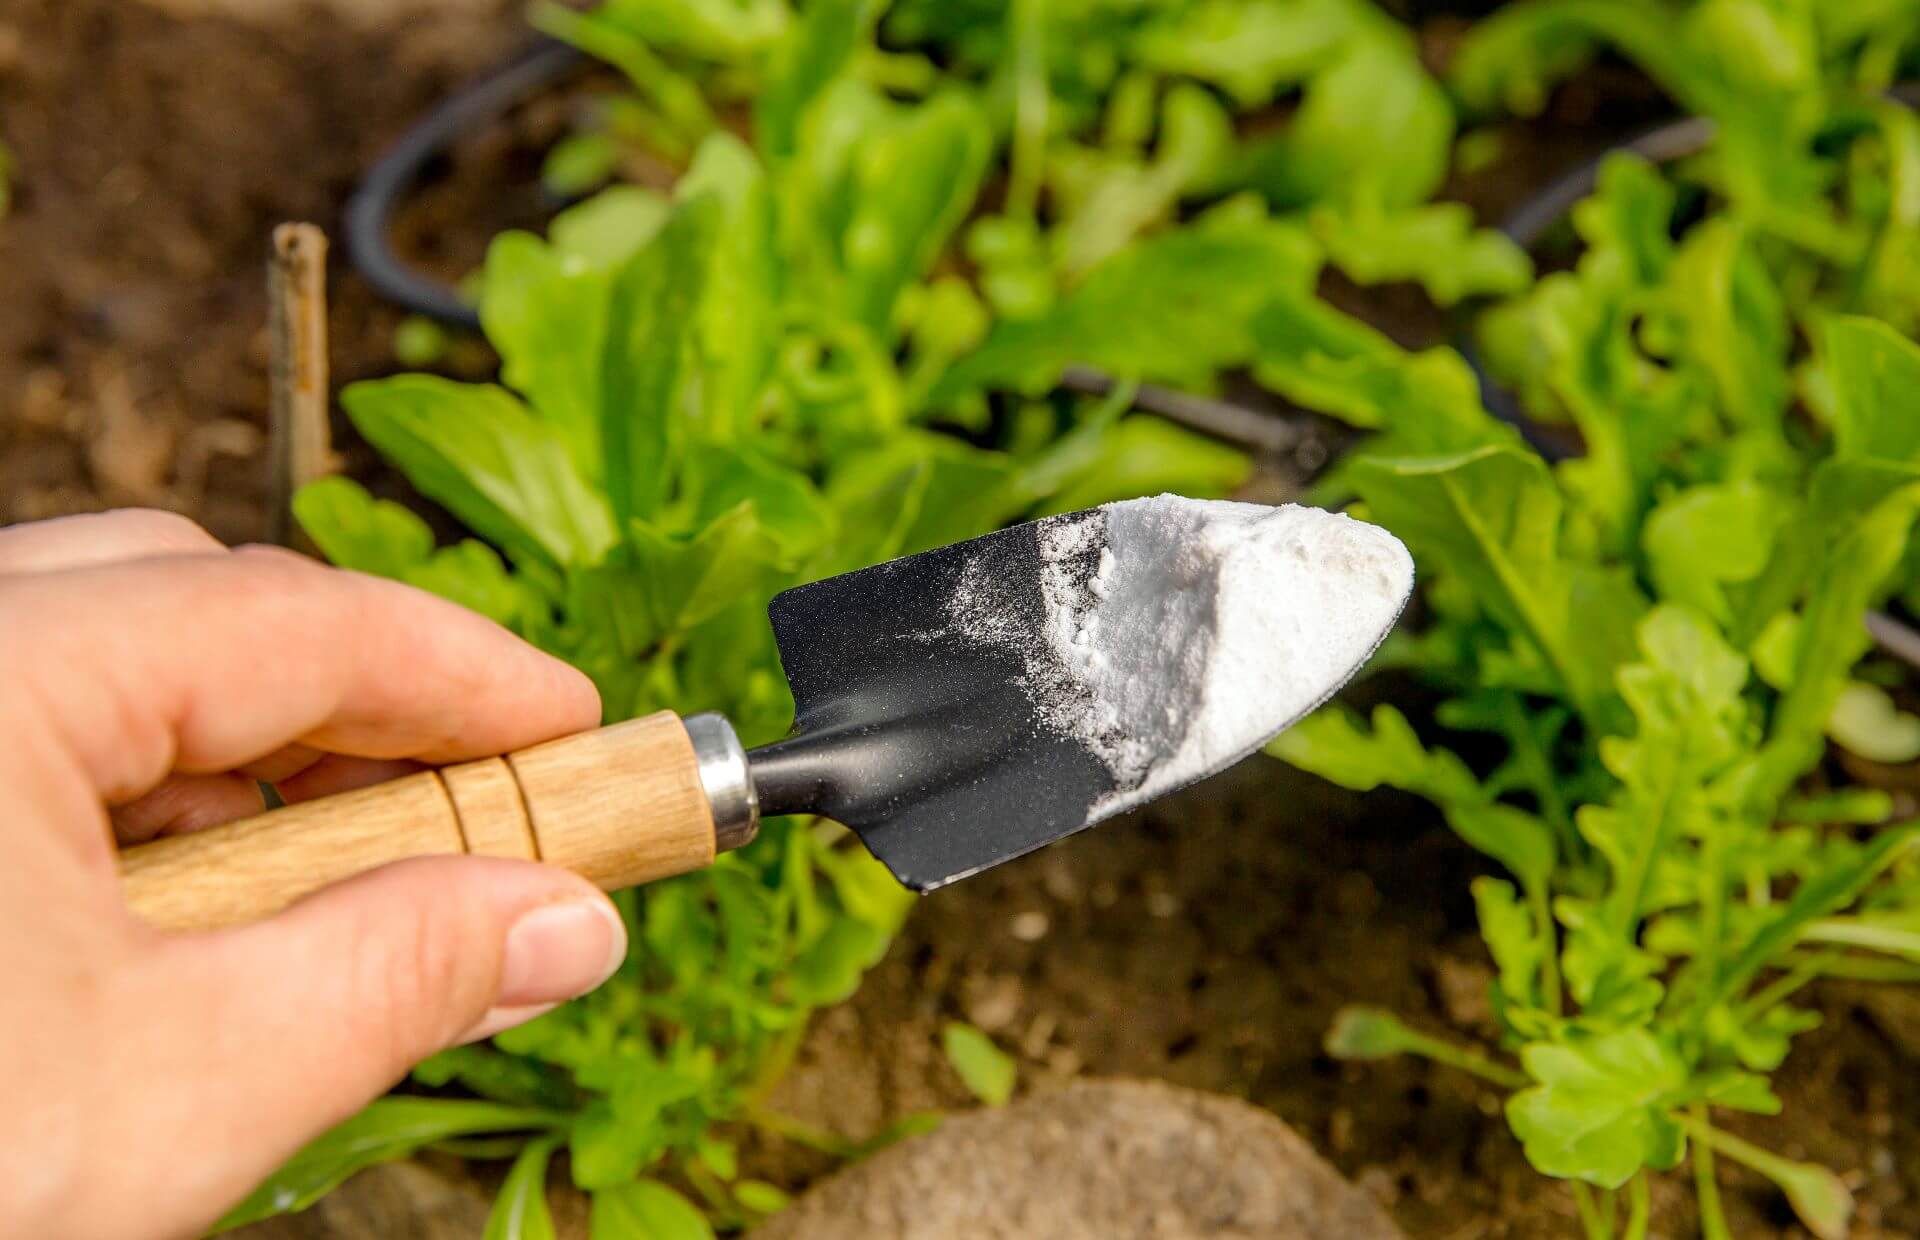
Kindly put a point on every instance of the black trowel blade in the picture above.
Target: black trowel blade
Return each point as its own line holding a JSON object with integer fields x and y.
{"x": 923, "y": 740}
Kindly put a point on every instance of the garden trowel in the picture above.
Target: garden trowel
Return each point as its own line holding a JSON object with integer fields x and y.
{"x": 939, "y": 738}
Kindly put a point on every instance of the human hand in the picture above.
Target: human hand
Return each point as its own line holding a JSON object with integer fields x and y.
{"x": 148, "y": 678}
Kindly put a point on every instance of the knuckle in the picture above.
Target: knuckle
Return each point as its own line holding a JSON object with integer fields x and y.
{"x": 156, "y": 529}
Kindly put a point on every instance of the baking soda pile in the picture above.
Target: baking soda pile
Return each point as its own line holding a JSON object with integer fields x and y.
{"x": 1180, "y": 635}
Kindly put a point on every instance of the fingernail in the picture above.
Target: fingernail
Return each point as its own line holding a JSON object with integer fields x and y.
{"x": 560, "y": 951}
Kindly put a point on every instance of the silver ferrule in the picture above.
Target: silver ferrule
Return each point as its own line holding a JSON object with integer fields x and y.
{"x": 726, "y": 780}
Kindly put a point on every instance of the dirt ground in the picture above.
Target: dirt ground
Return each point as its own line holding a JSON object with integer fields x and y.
{"x": 1207, "y": 942}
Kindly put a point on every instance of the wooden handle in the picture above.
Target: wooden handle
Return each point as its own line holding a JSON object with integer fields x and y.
{"x": 620, "y": 806}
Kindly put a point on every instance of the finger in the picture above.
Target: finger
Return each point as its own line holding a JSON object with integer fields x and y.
{"x": 393, "y": 966}
{"x": 340, "y": 773}
{"x": 207, "y": 663}
{"x": 100, "y": 538}
{"x": 282, "y": 764}
{"x": 186, "y": 803}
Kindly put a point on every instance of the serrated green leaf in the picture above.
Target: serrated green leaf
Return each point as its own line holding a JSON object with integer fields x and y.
{"x": 1597, "y": 1110}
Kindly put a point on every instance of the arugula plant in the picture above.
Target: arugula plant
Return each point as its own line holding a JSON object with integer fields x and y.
{"x": 1661, "y": 634}
{"x": 706, "y": 398}
{"x": 1112, "y": 115}
{"x": 1812, "y": 158}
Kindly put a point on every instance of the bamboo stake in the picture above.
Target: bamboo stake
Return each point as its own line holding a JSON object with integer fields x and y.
{"x": 301, "y": 447}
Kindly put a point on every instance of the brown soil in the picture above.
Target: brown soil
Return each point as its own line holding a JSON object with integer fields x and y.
{"x": 1207, "y": 943}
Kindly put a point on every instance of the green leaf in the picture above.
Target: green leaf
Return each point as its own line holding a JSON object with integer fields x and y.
{"x": 1326, "y": 360}
{"x": 1331, "y": 744}
{"x": 607, "y": 229}
{"x": 1597, "y": 1110}
{"x": 1832, "y": 888}
{"x": 471, "y": 574}
{"x": 355, "y": 530}
{"x": 1107, "y": 198}
{"x": 520, "y": 1211}
{"x": 1374, "y": 128}
{"x": 1866, "y": 722}
{"x": 1174, "y": 308}
{"x": 988, "y": 1071}
{"x": 651, "y": 323}
{"x": 1369, "y": 1033}
{"x": 912, "y": 184}
{"x": 1517, "y": 945}
{"x": 1693, "y": 723}
{"x": 1149, "y": 456}
{"x": 740, "y": 329}
{"x": 688, "y": 580}
{"x": 548, "y": 321}
{"x": 760, "y": 1197}
{"x": 419, "y": 342}
{"x": 646, "y": 1210}
{"x": 479, "y": 452}
{"x": 1491, "y": 518}
{"x": 1707, "y": 537}
{"x": 388, "y": 1129}
{"x": 829, "y": 970}
{"x": 828, "y": 37}
{"x": 1435, "y": 245}
{"x": 579, "y": 163}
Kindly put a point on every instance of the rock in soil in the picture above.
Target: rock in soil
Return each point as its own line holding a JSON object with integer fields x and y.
{"x": 1105, "y": 1159}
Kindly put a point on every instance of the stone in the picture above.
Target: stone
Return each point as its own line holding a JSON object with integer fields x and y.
{"x": 1094, "y": 1160}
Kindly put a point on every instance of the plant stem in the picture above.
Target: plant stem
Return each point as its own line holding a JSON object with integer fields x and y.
{"x": 1706, "y": 1186}
{"x": 1868, "y": 969}
{"x": 1460, "y": 1057}
{"x": 1855, "y": 932}
{"x": 1783, "y": 986}
{"x": 1541, "y": 901}
{"x": 1639, "y": 1207}
{"x": 1590, "y": 1220}
{"x": 799, "y": 1132}
{"x": 1746, "y": 1153}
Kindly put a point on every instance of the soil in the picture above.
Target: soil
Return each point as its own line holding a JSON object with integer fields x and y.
{"x": 1207, "y": 942}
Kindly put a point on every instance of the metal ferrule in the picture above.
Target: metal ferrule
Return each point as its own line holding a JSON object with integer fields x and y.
{"x": 726, "y": 780}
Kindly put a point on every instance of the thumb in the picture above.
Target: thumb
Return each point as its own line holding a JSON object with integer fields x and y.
{"x": 275, "y": 1031}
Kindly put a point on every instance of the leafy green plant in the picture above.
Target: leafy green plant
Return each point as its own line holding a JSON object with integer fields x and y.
{"x": 1661, "y": 633}
{"x": 1112, "y": 115}
{"x": 706, "y": 398}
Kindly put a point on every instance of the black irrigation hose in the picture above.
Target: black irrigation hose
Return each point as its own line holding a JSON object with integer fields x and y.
{"x": 370, "y": 212}
{"x": 369, "y": 215}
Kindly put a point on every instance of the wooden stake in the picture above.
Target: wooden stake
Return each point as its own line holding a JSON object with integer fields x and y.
{"x": 301, "y": 447}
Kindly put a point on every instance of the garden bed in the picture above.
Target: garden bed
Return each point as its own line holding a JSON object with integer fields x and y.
{"x": 1207, "y": 942}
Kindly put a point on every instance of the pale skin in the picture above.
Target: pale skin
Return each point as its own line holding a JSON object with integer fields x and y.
{"x": 149, "y": 677}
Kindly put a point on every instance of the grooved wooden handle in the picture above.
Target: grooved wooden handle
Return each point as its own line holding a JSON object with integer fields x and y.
{"x": 619, "y": 806}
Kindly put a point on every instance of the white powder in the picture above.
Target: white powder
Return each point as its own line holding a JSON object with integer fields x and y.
{"x": 1180, "y": 635}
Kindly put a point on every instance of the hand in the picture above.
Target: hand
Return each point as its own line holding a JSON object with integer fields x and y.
{"x": 148, "y": 678}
